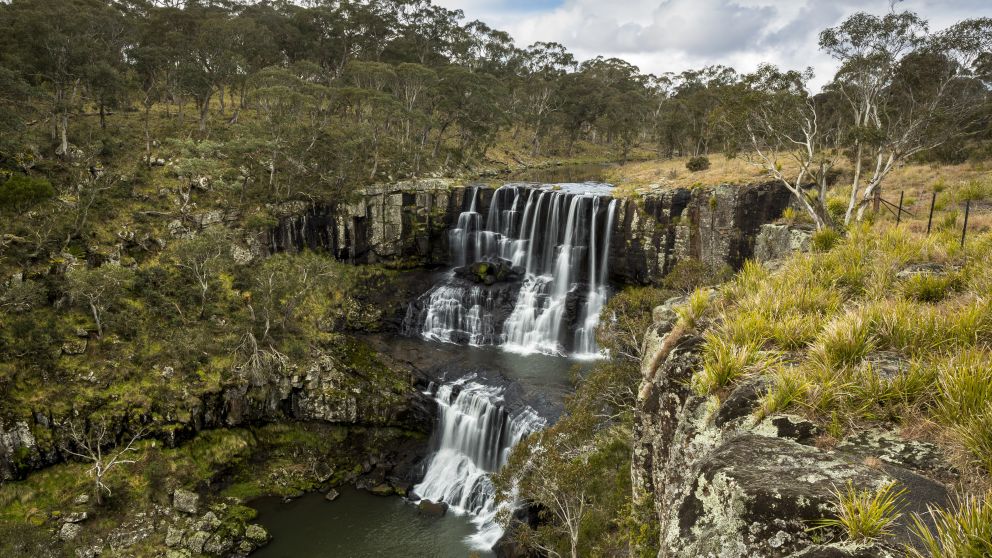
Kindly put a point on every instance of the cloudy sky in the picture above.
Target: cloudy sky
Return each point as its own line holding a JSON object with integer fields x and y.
{"x": 673, "y": 35}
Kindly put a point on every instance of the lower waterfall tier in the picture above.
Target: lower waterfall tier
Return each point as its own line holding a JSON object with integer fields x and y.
{"x": 473, "y": 439}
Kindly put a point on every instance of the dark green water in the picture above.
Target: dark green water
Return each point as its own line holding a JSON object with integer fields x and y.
{"x": 360, "y": 525}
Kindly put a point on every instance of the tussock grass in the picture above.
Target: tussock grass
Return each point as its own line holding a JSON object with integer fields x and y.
{"x": 964, "y": 531}
{"x": 693, "y": 310}
{"x": 865, "y": 515}
{"x": 844, "y": 341}
{"x": 725, "y": 361}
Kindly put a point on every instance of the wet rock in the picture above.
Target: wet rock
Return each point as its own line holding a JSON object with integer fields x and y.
{"x": 219, "y": 544}
{"x": 332, "y": 495}
{"x": 185, "y": 501}
{"x": 435, "y": 509}
{"x": 382, "y": 489}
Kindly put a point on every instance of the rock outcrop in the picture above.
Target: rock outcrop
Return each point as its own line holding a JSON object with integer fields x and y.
{"x": 716, "y": 225}
{"x": 726, "y": 483}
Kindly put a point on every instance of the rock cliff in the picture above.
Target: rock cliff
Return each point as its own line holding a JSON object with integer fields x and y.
{"x": 326, "y": 389}
{"x": 725, "y": 483}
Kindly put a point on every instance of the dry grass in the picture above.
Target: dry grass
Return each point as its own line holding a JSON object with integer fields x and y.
{"x": 917, "y": 183}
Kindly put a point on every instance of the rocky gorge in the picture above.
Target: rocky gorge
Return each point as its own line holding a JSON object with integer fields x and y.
{"x": 377, "y": 402}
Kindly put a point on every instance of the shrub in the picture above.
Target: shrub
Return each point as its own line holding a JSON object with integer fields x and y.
{"x": 974, "y": 190}
{"x": 20, "y": 192}
{"x": 690, "y": 274}
{"x": 824, "y": 239}
{"x": 696, "y": 164}
{"x": 865, "y": 515}
{"x": 837, "y": 207}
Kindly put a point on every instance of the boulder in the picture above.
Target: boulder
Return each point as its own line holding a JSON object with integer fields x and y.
{"x": 434, "y": 509}
{"x": 185, "y": 501}
{"x": 776, "y": 242}
{"x": 256, "y": 534}
{"x": 69, "y": 532}
{"x": 196, "y": 541}
{"x": 332, "y": 495}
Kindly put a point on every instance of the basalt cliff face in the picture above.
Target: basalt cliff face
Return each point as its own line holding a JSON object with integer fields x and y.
{"x": 727, "y": 484}
{"x": 407, "y": 224}
{"x": 326, "y": 389}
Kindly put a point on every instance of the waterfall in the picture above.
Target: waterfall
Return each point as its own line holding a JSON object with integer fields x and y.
{"x": 473, "y": 440}
{"x": 553, "y": 242}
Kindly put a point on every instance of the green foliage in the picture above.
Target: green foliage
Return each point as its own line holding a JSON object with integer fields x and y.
{"x": 19, "y": 192}
{"x": 696, "y": 164}
{"x": 695, "y": 307}
{"x": 724, "y": 362}
{"x": 866, "y": 515}
{"x": 626, "y": 317}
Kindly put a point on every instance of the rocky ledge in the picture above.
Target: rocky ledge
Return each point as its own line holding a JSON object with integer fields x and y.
{"x": 727, "y": 484}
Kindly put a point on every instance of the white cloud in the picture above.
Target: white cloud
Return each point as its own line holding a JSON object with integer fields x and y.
{"x": 673, "y": 35}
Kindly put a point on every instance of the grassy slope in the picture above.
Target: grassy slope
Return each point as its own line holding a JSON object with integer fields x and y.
{"x": 859, "y": 346}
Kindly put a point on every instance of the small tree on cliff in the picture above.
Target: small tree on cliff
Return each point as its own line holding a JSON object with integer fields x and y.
{"x": 89, "y": 445}
{"x": 98, "y": 288}
{"x": 774, "y": 116}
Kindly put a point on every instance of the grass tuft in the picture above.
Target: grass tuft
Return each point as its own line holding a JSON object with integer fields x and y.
{"x": 964, "y": 531}
{"x": 865, "y": 515}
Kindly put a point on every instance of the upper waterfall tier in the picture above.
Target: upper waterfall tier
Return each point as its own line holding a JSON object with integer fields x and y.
{"x": 549, "y": 246}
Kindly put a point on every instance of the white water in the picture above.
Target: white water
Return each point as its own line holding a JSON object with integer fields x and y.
{"x": 559, "y": 238}
{"x": 473, "y": 440}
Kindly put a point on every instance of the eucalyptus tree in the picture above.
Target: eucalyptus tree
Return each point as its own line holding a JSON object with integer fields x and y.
{"x": 544, "y": 63}
{"x": 58, "y": 44}
{"x": 907, "y": 91}
{"x": 779, "y": 122}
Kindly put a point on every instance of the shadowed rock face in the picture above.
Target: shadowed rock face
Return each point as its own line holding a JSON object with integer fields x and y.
{"x": 323, "y": 390}
{"x": 716, "y": 225}
{"x": 726, "y": 484}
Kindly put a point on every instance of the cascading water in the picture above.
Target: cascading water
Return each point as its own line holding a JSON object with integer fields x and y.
{"x": 555, "y": 239}
{"x": 473, "y": 440}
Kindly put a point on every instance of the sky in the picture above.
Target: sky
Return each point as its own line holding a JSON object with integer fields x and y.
{"x": 674, "y": 35}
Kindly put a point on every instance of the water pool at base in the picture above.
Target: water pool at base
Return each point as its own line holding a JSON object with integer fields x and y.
{"x": 360, "y": 525}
